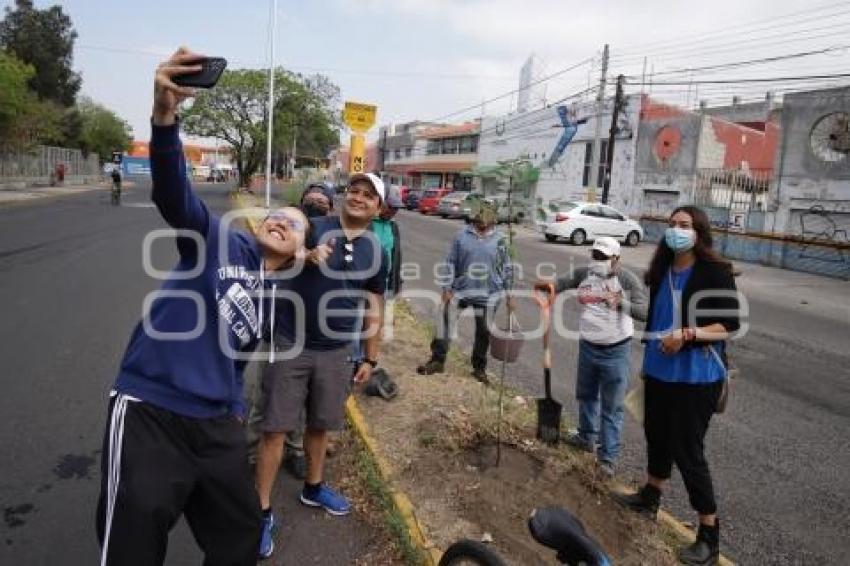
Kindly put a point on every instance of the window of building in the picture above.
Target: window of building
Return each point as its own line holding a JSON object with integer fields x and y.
{"x": 449, "y": 145}
{"x": 434, "y": 147}
{"x": 588, "y": 163}
{"x": 397, "y": 153}
{"x": 408, "y": 151}
{"x": 468, "y": 144}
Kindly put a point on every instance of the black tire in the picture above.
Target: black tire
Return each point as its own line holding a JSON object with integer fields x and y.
{"x": 632, "y": 238}
{"x": 578, "y": 237}
{"x": 550, "y": 237}
{"x": 471, "y": 551}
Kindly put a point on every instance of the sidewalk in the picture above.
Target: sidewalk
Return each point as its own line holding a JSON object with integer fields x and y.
{"x": 11, "y": 196}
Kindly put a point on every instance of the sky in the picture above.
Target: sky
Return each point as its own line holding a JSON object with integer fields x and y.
{"x": 428, "y": 59}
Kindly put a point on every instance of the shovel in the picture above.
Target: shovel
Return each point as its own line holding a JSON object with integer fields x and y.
{"x": 548, "y": 410}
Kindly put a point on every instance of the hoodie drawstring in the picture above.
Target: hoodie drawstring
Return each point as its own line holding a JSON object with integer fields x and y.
{"x": 271, "y": 324}
{"x": 262, "y": 301}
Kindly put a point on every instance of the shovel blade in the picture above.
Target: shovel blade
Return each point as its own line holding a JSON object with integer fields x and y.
{"x": 549, "y": 420}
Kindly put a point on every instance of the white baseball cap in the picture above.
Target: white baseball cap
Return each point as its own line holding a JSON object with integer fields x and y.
{"x": 607, "y": 245}
{"x": 373, "y": 180}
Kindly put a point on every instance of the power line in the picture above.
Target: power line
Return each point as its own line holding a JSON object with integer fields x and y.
{"x": 368, "y": 72}
{"x": 748, "y": 26}
{"x": 735, "y": 45}
{"x": 742, "y": 81}
{"x": 511, "y": 92}
{"x": 749, "y": 62}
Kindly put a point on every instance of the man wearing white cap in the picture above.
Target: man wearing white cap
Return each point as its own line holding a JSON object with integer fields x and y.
{"x": 347, "y": 270}
{"x": 609, "y": 298}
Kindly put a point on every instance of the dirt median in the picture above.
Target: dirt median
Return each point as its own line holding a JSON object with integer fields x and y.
{"x": 438, "y": 436}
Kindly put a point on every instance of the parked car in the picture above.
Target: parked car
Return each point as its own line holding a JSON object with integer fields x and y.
{"x": 581, "y": 222}
{"x": 473, "y": 200}
{"x": 503, "y": 211}
{"x": 469, "y": 205}
{"x": 412, "y": 200}
{"x": 450, "y": 205}
{"x": 430, "y": 200}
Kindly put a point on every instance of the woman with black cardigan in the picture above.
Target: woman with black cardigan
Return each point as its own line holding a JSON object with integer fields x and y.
{"x": 693, "y": 310}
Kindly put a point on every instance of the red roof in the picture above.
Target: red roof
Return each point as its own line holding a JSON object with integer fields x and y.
{"x": 464, "y": 129}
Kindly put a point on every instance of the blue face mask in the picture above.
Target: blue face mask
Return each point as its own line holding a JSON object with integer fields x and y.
{"x": 680, "y": 239}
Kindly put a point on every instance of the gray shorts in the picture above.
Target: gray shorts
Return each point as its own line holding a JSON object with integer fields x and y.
{"x": 316, "y": 381}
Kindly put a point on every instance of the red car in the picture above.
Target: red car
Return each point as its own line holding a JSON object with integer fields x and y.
{"x": 430, "y": 200}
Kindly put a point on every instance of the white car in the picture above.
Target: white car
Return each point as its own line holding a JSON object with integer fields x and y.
{"x": 580, "y": 222}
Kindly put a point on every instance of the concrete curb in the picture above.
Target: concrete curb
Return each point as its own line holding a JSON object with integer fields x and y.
{"x": 400, "y": 500}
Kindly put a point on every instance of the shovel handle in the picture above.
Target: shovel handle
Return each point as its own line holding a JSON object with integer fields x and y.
{"x": 544, "y": 296}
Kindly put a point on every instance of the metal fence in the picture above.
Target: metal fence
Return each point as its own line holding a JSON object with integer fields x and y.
{"x": 38, "y": 165}
{"x": 733, "y": 199}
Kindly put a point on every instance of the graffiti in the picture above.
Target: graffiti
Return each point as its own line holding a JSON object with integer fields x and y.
{"x": 817, "y": 225}
{"x": 570, "y": 125}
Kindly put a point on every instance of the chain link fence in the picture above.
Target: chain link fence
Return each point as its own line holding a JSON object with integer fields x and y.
{"x": 40, "y": 165}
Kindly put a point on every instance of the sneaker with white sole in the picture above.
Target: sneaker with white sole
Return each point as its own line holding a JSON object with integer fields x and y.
{"x": 326, "y": 498}
{"x": 267, "y": 536}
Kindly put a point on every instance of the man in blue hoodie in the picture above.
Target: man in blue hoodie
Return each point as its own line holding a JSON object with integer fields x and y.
{"x": 174, "y": 443}
{"x": 478, "y": 270}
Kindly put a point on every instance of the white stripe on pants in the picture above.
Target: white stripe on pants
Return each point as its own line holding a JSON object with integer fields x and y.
{"x": 116, "y": 441}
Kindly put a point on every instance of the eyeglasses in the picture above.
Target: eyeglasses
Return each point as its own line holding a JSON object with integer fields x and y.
{"x": 291, "y": 223}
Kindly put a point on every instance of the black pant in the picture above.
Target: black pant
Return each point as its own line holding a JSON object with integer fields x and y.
{"x": 157, "y": 465}
{"x": 675, "y": 422}
{"x": 442, "y": 341}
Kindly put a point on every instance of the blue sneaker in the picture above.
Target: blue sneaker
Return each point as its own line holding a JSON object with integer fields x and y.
{"x": 266, "y": 539}
{"x": 327, "y": 498}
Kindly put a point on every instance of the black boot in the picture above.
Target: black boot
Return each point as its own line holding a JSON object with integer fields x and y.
{"x": 706, "y": 549}
{"x": 430, "y": 367}
{"x": 645, "y": 501}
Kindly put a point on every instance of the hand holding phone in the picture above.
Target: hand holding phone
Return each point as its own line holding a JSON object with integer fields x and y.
{"x": 207, "y": 77}
{"x": 171, "y": 86}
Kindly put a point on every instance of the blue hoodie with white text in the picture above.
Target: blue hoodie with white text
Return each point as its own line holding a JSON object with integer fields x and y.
{"x": 189, "y": 353}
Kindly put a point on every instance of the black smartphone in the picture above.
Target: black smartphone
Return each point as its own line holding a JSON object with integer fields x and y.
{"x": 211, "y": 70}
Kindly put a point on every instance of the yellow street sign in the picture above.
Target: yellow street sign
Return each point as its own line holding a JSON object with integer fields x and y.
{"x": 359, "y": 117}
{"x": 357, "y": 154}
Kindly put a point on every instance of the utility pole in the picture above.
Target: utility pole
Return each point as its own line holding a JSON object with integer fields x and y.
{"x": 273, "y": 9}
{"x": 597, "y": 132}
{"x": 294, "y": 150}
{"x": 612, "y": 133}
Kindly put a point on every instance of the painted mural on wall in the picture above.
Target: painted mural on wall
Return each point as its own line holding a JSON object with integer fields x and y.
{"x": 570, "y": 123}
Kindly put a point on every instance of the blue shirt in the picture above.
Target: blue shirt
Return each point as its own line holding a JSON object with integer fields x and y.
{"x": 189, "y": 353}
{"x": 478, "y": 266}
{"x": 332, "y": 294}
{"x": 689, "y": 365}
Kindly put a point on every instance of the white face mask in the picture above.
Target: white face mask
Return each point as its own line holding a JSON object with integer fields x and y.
{"x": 602, "y": 268}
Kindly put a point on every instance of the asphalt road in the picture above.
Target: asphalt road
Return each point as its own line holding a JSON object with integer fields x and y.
{"x": 72, "y": 284}
{"x": 779, "y": 455}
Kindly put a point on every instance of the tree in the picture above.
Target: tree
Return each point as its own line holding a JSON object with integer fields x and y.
{"x": 236, "y": 112}
{"x": 24, "y": 119}
{"x": 45, "y": 40}
{"x": 102, "y": 131}
{"x": 307, "y": 115}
